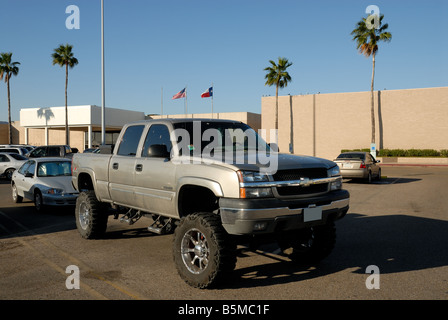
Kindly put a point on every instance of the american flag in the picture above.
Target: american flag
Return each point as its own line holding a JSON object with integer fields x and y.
{"x": 180, "y": 94}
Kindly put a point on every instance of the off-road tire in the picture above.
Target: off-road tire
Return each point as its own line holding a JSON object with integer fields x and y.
{"x": 202, "y": 250}
{"x": 91, "y": 216}
{"x": 313, "y": 244}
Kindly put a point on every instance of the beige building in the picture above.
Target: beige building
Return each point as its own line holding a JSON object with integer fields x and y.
{"x": 46, "y": 126}
{"x": 323, "y": 124}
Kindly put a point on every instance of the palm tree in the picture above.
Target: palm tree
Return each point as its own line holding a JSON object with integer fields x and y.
{"x": 367, "y": 38}
{"x": 63, "y": 56}
{"x": 278, "y": 76}
{"x": 7, "y": 70}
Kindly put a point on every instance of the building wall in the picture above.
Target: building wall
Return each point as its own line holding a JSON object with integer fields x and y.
{"x": 4, "y": 133}
{"x": 252, "y": 119}
{"x": 323, "y": 124}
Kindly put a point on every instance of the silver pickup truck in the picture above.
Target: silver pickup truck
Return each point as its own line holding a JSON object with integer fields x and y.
{"x": 215, "y": 184}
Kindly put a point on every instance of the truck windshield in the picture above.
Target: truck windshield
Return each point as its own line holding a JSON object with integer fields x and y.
{"x": 219, "y": 136}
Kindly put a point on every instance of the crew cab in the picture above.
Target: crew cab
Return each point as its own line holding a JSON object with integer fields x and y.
{"x": 214, "y": 183}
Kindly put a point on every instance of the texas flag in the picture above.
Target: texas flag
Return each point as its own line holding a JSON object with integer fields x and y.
{"x": 208, "y": 93}
{"x": 180, "y": 94}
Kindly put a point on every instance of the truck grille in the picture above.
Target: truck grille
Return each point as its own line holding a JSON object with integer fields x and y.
{"x": 296, "y": 174}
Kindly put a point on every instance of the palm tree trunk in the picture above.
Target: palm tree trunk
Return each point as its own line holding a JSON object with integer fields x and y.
{"x": 372, "y": 110}
{"x": 9, "y": 110}
{"x": 66, "y": 108}
{"x": 276, "y": 108}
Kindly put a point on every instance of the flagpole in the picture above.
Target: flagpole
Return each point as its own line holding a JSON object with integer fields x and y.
{"x": 186, "y": 101}
{"x": 161, "y": 102}
{"x": 103, "y": 86}
{"x": 212, "y": 99}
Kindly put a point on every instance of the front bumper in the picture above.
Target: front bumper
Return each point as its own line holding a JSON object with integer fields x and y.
{"x": 59, "y": 200}
{"x": 271, "y": 215}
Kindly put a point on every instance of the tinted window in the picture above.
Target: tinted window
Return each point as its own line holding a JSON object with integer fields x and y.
{"x": 358, "y": 156}
{"x": 158, "y": 134}
{"x": 31, "y": 168}
{"x": 18, "y": 157}
{"x": 38, "y": 152}
{"x": 11, "y": 150}
{"x": 53, "y": 152}
{"x": 130, "y": 140}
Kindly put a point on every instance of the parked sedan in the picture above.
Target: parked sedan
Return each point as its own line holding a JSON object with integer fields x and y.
{"x": 9, "y": 162}
{"x": 46, "y": 181}
{"x": 358, "y": 165}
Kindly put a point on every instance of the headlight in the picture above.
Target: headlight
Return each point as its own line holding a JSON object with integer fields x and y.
{"x": 252, "y": 176}
{"x": 54, "y": 191}
{"x": 256, "y": 192}
{"x": 335, "y": 171}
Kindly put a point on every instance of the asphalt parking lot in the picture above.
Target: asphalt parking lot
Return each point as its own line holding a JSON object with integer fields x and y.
{"x": 398, "y": 225}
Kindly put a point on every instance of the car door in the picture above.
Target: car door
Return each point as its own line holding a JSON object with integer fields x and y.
{"x": 155, "y": 173}
{"x": 122, "y": 167}
{"x": 26, "y": 180}
{"x": 374, "y": 166}
{"x": 4, "y": 162}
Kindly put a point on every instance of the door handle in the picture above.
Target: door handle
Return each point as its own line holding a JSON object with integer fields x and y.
{"x": 115, "y": 166}
{"x": 139, "y": 167}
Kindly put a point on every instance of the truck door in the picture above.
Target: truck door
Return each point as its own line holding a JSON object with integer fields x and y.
{"x": 155, "y": 173}
{"x": 122, "y": 167}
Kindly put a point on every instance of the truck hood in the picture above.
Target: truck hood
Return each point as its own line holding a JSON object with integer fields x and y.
{"x": 269, "y": 163}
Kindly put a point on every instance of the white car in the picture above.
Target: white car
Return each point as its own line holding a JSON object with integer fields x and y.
{"x": 46, "y": 181}
{"x": 9, "y": 162}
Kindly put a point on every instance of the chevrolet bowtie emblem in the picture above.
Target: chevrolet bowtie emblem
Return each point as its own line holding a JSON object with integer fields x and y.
{"x": 305, "y": 182}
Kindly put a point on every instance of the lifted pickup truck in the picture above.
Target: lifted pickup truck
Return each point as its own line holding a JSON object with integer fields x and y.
{"x": 215, "y": 184}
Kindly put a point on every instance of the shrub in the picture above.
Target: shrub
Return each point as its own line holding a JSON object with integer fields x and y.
{"x": 405, "y": 152}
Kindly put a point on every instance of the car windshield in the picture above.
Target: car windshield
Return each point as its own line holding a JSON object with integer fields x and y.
{"x": 355, "y": 156}
{"x": 54, "y": 169}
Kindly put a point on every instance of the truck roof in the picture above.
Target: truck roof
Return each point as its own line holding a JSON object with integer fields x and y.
{"x": 183, "y": 120}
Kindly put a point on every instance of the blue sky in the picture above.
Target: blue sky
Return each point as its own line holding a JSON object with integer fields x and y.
{"x": 193, "y": 43}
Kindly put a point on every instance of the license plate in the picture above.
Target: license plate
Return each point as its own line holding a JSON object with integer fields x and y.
{"x": 312, "y": 214}
{"x": 347, "y": 165}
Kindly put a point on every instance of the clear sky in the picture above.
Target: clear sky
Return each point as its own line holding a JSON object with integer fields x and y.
{"x": 194, "y": 43}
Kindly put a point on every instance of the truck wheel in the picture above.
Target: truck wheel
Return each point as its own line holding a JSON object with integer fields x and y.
{"x": 91, "y": 218}
{"x": 203, "y": 252}
{"x": 313, "y": 244}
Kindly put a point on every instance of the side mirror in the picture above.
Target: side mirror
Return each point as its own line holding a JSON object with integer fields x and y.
{"x": 29, "y": 175}
{"x": 274, "y": 147}
{"x": 158, "y": 151}
{"x": 378, "y": 161}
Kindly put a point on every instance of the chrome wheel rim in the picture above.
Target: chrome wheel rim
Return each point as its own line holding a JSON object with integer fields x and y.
{"x": 195, "y": 251}
{"x": 84, "y": 216}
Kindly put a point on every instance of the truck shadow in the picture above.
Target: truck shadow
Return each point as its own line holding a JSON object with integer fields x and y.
{"x": 394, "y": 243}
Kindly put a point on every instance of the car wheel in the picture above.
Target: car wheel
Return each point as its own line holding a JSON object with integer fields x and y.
{"x": 15, "y": 196}
{"x": 90, "y": 215}
{"x": 39, "y": 201}
{"x": 203, "y": 252}
{"x": 369, "y": 177}
{"x": 379, "y": 175}
{"x": 8, "y": 174}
